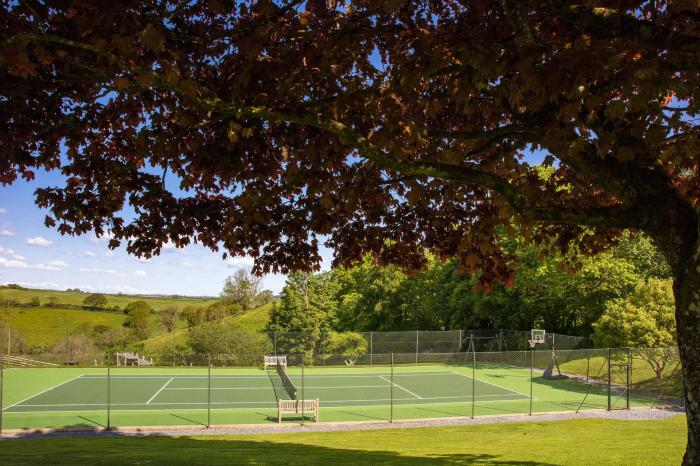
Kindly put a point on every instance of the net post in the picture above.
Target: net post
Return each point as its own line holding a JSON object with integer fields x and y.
{"x": 609, "y": 380}
{"x": 302, "y": 389}
{"x": 532, "y": 372}
{"x": 109, "y": 392}
{"x": 391, "y": 391}
{"x": 208, "y": 391}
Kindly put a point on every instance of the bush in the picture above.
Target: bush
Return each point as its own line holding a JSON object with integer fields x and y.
{"x": 52, "y": 301}
{"x": 35, "y": 301}
{"x": 350, "y": 345}
{"x": 228, "y": 343}
{"x": 74, "y": 347}
{"x": 95, "y": 300}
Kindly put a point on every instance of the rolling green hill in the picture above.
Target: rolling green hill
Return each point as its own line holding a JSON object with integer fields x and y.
{"x": 43, "y": 325}
{"x": 253, "y": 320}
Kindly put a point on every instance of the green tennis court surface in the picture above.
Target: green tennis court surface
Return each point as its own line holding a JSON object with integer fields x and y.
{"x": 69, "y": 397}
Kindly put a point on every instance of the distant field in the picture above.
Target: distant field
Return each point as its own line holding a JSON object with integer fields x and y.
{"x": 45, "y": 325}
{"x": 76, "y": 299}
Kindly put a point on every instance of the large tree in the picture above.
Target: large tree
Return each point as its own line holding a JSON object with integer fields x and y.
{"x": 384, "y": 126}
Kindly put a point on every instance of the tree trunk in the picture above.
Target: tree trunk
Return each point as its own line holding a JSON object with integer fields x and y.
{"x": 686, "y": 289}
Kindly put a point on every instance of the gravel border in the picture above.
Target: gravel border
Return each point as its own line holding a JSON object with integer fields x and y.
{"x": 635, "y": 414}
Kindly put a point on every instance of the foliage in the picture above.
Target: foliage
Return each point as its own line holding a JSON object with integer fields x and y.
{"x": 243, "y": 290}
{"x": 307, "y": 305}
{"x": 225, "y": 338}
{"x": 138, "y": 318}
{"x": 347, "y": 344}
{"x": 645, "y": 319}
{"x": 52, "y": 301}
{"x": 168, "y": 317}
{"x": 95, "y": 300}
{"x": 35, "y": 301}
{"x": 74, "y": 347}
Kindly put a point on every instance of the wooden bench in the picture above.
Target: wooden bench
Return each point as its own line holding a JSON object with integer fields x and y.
{"x": 297, "y": 407}
{"x": 273, "y": 360}
{"x": 71, "y": 363}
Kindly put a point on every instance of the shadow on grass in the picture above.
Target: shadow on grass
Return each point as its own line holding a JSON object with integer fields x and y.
{"x": 151, "y": 449}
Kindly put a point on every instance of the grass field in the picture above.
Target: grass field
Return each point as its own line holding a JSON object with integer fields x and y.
{"x": 43, "y": 326}
{"x": 571, "y": 442}
{"x": 77, "y": 397}
{"x": 119, "y": 300}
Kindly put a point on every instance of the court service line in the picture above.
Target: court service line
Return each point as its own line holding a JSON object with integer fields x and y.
{"x": 492, "y": 384}
{"x": 267, "y": 387}
{"x": 399, "y": 386}
{"x": 161, "y": 389}
{"x": 41, "y": 393}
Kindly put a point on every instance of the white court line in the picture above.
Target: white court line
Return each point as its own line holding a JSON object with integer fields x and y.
{"x": 40, "y": 393}
{"x": 492, "y": 384}
{"x": 161, "y": 389}
{"x": 243, "y": 376}
{"x": 268, "y": 387}
{"x": 399, "y": 386}
{"x": 273, "y": 403}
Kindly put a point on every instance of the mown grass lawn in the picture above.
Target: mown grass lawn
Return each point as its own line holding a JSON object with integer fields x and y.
{"x": 570, "y": 442}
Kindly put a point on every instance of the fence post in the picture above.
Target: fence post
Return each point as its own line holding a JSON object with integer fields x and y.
{"x": 416, "y": 346}
{"x": 459, "y": 344}
{"x": 609, "y": 380}
{"x": 532, "y": 372}
{"x": 629, "y": 376}
{"x": 109, "y": 392}
{"x": 274, "y": 338}
{"x": 473, "y": 381}
{"x": 391, "y": 391}
{"x": 302, "y": 389}
{"x": 371, "y": 348}
{"x": 2, "y": 379}
{"x": 208, "y": 391}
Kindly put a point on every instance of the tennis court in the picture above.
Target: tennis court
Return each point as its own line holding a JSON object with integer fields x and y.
{"x": 164, "y": 391}
{"x": 98, "y": 397}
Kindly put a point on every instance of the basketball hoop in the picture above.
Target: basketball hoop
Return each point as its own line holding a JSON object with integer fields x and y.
{"x": 538, "y": 337}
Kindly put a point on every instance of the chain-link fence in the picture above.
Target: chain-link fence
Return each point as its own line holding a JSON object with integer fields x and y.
{"x": 103, "y": 391}
{"x": 421, "y": 341}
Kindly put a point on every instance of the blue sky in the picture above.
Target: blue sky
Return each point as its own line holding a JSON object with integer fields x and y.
{"x": 39, "y": 257}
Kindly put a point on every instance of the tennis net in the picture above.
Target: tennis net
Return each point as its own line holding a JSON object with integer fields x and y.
{"x": 286, "y": 381}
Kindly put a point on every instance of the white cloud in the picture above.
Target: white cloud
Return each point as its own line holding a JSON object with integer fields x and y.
{"x": 98, "y": 270}
{"x": 7, "y": 232}
{"x": 39, "y": 241}
{"x": 3, "y": 210}
{"x": 11, "y": 253}
{"x": 116, "y": 273}
{"x": 239, "y": 262}
{"x": 89, "y": 254}
{"x": 22, "y": 264}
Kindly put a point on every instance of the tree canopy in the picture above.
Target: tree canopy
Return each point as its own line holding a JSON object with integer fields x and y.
{"x": 265, "y": 127}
